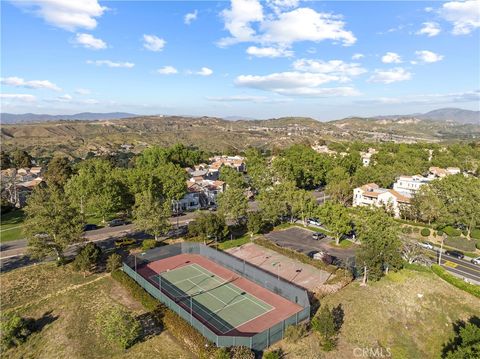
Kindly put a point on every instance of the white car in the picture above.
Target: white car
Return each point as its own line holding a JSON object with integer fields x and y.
{"x": 314, "y": 221}
{"x": 426, "y": 245}
{"x": 476, "y": 260}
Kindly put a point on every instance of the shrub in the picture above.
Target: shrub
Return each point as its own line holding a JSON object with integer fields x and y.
{"x": 425, "y": 232}
{"x": 242, "y": 352}
{"x": 457, "y": 282}
{"x": 14, "y": 330}
{"x": 416, "y": 230}
{"x": 460, "y": 243}
{"x": 324, "y": 324}
{"x": 135, "y": 290}
{"x": 407, "y": 229}
{"x": 274, "y": 354}
{"x": 114, "y": 262}
{"x": 149, "y": 244}
{"x": 222, "y": 353}
{"x": 475, "y": 233}
{"x": 87, "y": 258}
{"x": 119, "y": 326}
{"x": 440, "y": 232}
{"x": 295, "y": 332}
{"x": 449, "y": 230}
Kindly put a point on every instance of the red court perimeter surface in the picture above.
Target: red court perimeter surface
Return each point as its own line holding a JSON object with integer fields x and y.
{"x": 283, "y": 308}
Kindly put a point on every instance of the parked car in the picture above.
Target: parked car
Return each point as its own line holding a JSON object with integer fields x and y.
{"x": 476, "y": 260}
{"x": 90, "y": 227}
{"x": 318, "y": 236}
{"x": 314, "y": 221}
{"x": 456, "y": 254}
{"x": 116, "y": 222}
{"x": 426, "y": 245}
{"x": 124, "y": 242}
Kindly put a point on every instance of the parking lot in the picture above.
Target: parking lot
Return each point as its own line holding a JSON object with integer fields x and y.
{"x": 300, "y": 240}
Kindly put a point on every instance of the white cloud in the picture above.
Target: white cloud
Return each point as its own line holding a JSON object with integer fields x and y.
{"x": 64, "y": 98}
{"x": 281, "y": 28}
{"x": 82, "y": 91}
{"x": 295, "y": 83}
{"x": 428, "y": 9}
{"x": 8, "y": 97}
{"x": 269, "y": 52}
{"x": 430, "y": 29}
{"x": 336, "y": 67}
{"x": 109, "y": 63}
{"x": 90, "y": 42}
{"x": 191, "y": 16}
{"x": 33, "y": 84}
{"x": 153, "y": 43}
{"x": 428, "y": 56}
{"x": 391, "y": 58}
{"x": 432, "y": 99}
{"x": 167, "y": 70}
{"x": 66, "y": 14}
{"x": 247, "y": 98}
{"x": 204, "y": 71}
{"x": 464, "y": 15}
{"x": 389, "y": 76}
{"x": 358, "y": 56}
{"x": 278, "y": 5}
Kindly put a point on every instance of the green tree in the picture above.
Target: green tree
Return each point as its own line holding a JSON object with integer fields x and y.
{"x": 5, "y": 160}
{"x": 254, "y": 222}
{"x": 273, "y": 204}
{"x": 14, "y": 330}
{"x": 52, "y": 223}
{"x": 209, "y": 226}
{"x": 259, "y": 172}
{"x": 428, "y": 206}
{"x": 233, "y": 204}
{"x": 114, "y": 262}
{"x": 119, "y": 326}
{"x": 21, "y": 158}
{"x": 151, "y": 215}
{"x": 87, "y": 258}
{"x": 58, "y": 172}
{"x": 467, "y": 343}
{"x": 232, "y": 177}
{"x": 380, "y": 248}
{"x": 336, "y": 218}
{"x": 324, "y": 324}
{"x": 339, "y": 186}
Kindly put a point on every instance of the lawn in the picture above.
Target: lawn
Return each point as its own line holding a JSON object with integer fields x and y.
{"x": 234, "y": 242}
{"x": 410, "y": 312}
{"x": 11, "y": 225}
{"x": 68, "y": 304}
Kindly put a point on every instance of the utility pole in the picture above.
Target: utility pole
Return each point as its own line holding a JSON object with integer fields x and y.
{"x": 441, "y": 249}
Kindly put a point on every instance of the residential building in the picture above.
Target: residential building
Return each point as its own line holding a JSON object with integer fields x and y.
{"x": 408, "y": 185}
{"x": 371, "y": 194}
{"x": 235, "y": 162}
{"x": 366, "y": 156}
{"x": 443, "y": 172}
{"x": 17, "y": 184}
{"x": 201, "y": 193}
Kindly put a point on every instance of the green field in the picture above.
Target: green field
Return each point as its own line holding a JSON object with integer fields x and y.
{"x": 11, "y": 226}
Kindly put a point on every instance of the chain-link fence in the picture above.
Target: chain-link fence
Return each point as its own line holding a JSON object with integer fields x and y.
{"x": 259, "y": 341}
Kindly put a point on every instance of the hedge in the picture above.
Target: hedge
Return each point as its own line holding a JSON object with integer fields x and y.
{"x": 460, "y": 243}
{"x": 425, "y": 232}
{"x": 475, "y": 233}
{"x": 449, "y": 230}
{"x": 294, "y": 255}
{"x": 148, "y": 302}
{"x": 457, "y": 282}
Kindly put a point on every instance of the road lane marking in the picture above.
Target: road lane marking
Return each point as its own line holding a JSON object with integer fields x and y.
{"x": 450, "y": 264}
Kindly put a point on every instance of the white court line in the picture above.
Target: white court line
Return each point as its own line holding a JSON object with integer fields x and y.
{"x": 268, "y": 308}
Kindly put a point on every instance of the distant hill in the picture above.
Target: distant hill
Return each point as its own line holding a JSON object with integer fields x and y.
{"x": 456, "y": 115}
{"x": 85, "y": 116}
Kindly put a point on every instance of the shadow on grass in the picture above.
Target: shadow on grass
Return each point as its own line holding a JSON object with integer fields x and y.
{"x": 457, "y": 340}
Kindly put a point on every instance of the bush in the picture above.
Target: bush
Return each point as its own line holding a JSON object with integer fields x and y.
{"x": 440, "y": 232}
{"x": 425, "y": 232}
{"x": 460, "y": 243}
{"x": 475, "y": 233}
{"x": 135, "y": 290}
{"x": 114, "y": 262}
{"x": 274, "y": 354}
{"x": 242, "y": 352}
{"x": 119, "y": 326}
{"x": 87, "y": 258}
{"x": 222, "y": 353}
{"x": 416, "y": 230}
{"x": 14, "y": 330}
{"x": 406, "y": 229}
{"x": 457, "y": 282}
{"x": 294, "y": 333}
{"x": 450, "y": 231}
{"x": 149, "y": 244}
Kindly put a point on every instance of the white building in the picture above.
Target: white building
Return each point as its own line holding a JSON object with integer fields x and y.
{"x": 408, "y": 185}
{"x": 443, "y": 172}
{"x": 201, "y": 193}
{"x": 366, "y": 156}
{"x": 372, "y": 195}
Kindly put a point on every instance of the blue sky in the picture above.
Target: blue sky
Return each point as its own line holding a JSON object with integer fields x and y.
{"x": 323, "y": 59}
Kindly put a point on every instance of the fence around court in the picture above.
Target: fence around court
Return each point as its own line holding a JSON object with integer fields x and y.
{"x": 259, "y": 341}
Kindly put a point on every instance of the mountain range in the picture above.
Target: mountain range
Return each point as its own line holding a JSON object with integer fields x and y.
{"x": 83, "y": 116}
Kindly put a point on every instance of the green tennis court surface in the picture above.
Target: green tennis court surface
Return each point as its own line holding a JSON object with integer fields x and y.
{"x": 214, "y": 300}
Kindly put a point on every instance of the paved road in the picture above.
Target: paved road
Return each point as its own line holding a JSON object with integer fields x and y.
{"x": 460, "y": 267}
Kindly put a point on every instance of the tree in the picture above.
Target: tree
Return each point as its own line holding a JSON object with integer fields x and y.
{"x": 258, "y": 170}
{"x": 273, "y": 204}
{"x": 52, "y": 223}
{"x": 301, "y": 203}
{"x": 209, "y": 226}
{"x": 324, "y": 324}
{"x": 336, "y": 218}
{"x": 233, "y": 204}
{"x": 21, "y": 158}
{"x": 87, "y": 258}
{"x": 232, "y": 177}
{"x": 14, "y": 330}
{"x": 151, "y": 215}
{"x": 119, "y": 326}
{"x": 339, "y": 186}
{"x": 58, "y": 172}
{"x": 114, "y": 262}
{"x": 413, "y": 253}
{"x": 254, "y": 222}
{"x": 242, "y": 352}
{"x": 5, "y": 160}
{"x": 380, "y": 245}
{"x": 466, "y": 345}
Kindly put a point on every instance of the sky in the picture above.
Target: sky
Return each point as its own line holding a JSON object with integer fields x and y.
{"x": 246, "y": 58}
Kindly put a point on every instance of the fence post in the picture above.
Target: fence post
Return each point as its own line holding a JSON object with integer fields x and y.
{"x": 251, "y": 342}
{"x": 296, "y": 318}
{"x": 283, "y": 327}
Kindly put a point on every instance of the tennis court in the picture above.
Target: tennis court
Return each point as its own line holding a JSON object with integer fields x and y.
{"x": 210, "y": 298}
